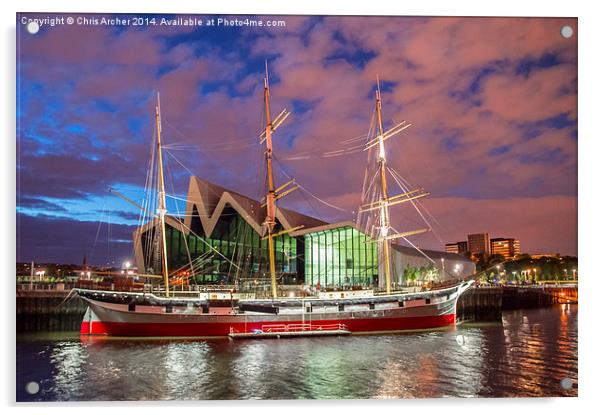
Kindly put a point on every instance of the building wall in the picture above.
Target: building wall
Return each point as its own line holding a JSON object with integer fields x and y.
{"x": 454, "y": 268}
{"x": 339, "y": 257}
{"x": 452, "y": 248}
{"x": 457, "y": 247}
{"x": 508, "y": 247}
{"x": 332, "y": 257}
{"x": 516, "y": 247}
{"x": 479, "y": 243}
{"x": 236, "y": 241}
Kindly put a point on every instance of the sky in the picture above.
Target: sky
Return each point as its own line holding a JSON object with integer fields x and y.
{"x": 492, "y": 103}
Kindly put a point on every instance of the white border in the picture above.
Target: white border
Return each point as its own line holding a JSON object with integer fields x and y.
{"x": 589, "y": 170}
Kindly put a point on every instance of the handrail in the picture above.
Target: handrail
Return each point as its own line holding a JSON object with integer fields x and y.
{"x": 296, "y": 327}
{"x": 275, "y": 328}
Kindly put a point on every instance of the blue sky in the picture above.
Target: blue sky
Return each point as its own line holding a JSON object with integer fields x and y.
{"x": 492, "y": 102}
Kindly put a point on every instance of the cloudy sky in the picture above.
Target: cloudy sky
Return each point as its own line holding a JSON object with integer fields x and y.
{"x": 492, "y": 102}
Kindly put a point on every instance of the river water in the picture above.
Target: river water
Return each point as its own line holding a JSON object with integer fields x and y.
{"x": 528, "y": 354}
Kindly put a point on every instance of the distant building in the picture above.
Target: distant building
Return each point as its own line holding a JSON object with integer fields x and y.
{"x": 507, "y": 247}
{"x": 452, "y": 248}
{"x": 517, "y": 250}
{"x": 460, "y": 247}
{"x": 479, "y": 243}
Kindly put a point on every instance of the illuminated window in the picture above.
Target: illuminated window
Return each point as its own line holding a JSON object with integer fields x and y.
{"x": 339, "y": 257}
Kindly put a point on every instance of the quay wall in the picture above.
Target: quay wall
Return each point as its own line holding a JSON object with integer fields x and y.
{"x": 47, "y": 310}
{"x": 480, "y": 304}
{"x": 55, "y": 310}
{"x": 488, "y": 303}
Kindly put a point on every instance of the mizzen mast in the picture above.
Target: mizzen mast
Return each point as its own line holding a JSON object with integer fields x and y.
{"x": 385, "y": 201}
{"x": 161, "y": 196}
{"x": 384, "y": 208}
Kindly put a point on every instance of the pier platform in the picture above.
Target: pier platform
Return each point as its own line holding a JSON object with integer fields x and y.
{"x": 292, "y": 330}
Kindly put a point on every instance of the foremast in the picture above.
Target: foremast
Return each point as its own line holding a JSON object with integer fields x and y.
{"x": 161, "y": 199}
{"x": 385, "y": 201}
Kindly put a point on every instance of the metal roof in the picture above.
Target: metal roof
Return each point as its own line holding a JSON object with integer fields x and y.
{"x": 408, "y": 250}
{"x": 211, "y": 199}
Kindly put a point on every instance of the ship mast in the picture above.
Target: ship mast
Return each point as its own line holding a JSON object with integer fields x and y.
{"x": 385, "y": 201}
{"x": 270, "y": 219}
{"x": 384, "y": 207}
{"x": 161, "y": 196}
{"x": 273, "y": 193}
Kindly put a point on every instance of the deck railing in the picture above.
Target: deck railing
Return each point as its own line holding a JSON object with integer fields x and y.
{"x": 296, "y": 327}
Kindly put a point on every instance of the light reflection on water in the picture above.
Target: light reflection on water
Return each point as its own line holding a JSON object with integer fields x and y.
{"x": 527, "y": 355}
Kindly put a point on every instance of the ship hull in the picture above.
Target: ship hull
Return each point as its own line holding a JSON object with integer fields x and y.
{"x": 396, "y": 314}
{"x": 200, "y": 327}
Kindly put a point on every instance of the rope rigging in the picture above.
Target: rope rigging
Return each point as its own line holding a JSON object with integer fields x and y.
{"x": 303, "y": 188}
{"x": 235, "y": 256}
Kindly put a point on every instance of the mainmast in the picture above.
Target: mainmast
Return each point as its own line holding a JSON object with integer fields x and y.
{"x": 385, "y": 201}
{"x": 270, "y": 219}
{"x": 273, "y": 193}
{"x": 161, "y": 195}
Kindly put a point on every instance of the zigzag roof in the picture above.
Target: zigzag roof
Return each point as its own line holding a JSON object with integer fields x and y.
{"x": 209, "y": 200}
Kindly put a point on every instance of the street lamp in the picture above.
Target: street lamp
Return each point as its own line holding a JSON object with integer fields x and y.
{"x": 442, "y": 269}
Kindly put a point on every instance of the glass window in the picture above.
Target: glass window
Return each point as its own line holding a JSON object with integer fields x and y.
{"x": 340, "y": 256}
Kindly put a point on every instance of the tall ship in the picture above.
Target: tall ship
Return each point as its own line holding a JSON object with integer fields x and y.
{"x": 288, "y": 274}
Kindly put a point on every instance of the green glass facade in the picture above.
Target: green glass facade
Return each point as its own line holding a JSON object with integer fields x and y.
{"x": 236, "y": 240}
{"x": 340, "y": 257}
{"x": 235, "y": 253}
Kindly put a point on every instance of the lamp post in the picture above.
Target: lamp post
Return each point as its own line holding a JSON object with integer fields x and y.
{"x": 442, "y": 269}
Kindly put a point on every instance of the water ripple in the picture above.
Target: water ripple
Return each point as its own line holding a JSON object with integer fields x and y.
{"x": 527, "y": 355}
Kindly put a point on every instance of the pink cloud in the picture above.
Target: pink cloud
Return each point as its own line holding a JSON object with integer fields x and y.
{"x": 421, "y": 61}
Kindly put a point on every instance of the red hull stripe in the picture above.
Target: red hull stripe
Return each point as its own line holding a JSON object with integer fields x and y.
{"x": 223, "y": 329}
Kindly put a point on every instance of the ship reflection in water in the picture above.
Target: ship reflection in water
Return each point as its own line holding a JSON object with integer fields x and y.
{"x": 528, "y": 355}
